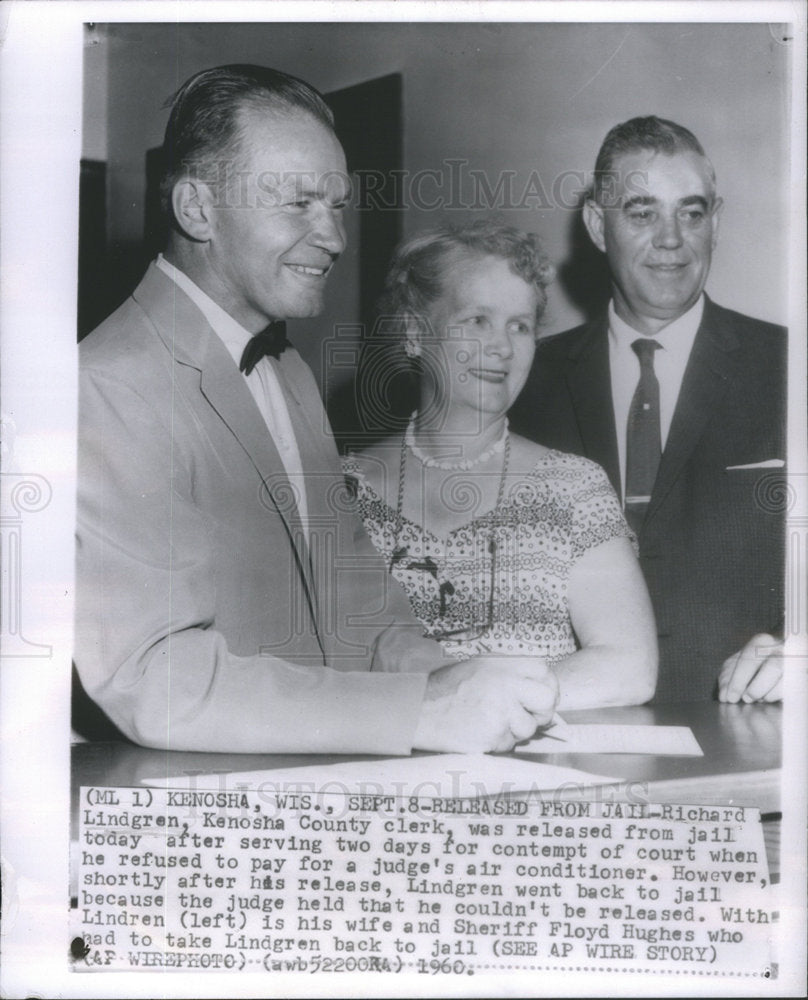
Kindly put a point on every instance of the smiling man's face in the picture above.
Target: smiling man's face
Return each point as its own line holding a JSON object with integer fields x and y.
{"x": 277, "y": 228}
{"x": 658, "y": 231}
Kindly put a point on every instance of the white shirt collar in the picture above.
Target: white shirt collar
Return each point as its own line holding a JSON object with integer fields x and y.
{"x": 231, "y": 333}
{"x": 676, "y": 338}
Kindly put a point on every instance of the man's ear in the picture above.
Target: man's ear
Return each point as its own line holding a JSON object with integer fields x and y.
{"x": 593, "y": 220}
{"x": 412, "y": 337}
{"x": 715, "y": 212}
{"x": 192, "y": 204}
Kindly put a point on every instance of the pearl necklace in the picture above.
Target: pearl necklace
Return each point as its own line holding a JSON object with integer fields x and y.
{"x": 398, "y": 552}
{"x": 447, "y": 464}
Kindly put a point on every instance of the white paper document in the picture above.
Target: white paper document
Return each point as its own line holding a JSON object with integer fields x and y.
{"x": 440, "y": 775}
{"x": 662, "y": 741}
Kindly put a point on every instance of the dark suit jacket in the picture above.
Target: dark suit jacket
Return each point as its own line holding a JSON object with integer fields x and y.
{"x": 204, "y": 621}
{"x": 712, "y": 543}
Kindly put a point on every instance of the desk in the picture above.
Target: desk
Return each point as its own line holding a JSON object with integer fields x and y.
{"x": 742, "y": 747}
{"x": 740, "y": 766}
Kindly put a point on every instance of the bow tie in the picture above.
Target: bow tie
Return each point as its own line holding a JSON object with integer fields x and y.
{"x": 271, "y": 341}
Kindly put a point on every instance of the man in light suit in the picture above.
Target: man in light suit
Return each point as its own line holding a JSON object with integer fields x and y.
{"x": 683, "y": 403}
{"x": 228, "y": 598}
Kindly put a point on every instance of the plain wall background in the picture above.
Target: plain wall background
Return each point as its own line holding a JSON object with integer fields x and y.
{"x": 520, "y": 98}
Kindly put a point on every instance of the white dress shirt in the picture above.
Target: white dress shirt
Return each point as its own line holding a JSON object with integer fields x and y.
{"x": 262, "y": 382}
{"x": 676, "y": 341}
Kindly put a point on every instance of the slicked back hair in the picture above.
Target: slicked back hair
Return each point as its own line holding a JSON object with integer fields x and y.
{"x": 205, "y": 136}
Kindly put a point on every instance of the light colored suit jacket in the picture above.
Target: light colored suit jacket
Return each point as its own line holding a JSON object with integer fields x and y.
{"x": 712, "y": 543}
{"x": 205, "y": 620}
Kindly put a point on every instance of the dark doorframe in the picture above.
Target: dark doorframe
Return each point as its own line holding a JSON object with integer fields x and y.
{"x": 92, "y": 288}
{"x": 369, "y": 122}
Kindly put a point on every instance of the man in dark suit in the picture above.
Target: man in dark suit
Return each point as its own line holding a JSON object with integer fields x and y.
{"x": 227, "y": 598}
{"x": 683, "y": 403}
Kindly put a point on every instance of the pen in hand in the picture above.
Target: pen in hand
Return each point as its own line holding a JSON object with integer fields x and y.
{"x": 556, "y": 729}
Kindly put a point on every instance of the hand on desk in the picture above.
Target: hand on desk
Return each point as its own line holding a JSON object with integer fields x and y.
{"x": 755, "y": 673}
{"x": 485, "y": 703}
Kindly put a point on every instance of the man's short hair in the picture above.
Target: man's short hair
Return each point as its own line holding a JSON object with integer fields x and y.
{"x": 636, "y": 134}
{"x": 205, "y": 133}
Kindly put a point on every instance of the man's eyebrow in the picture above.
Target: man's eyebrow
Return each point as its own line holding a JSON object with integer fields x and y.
{"x": 639, "y": 200}
{"x": 645, "y": 200}
{"x": 339, "y": 185}
{"x": 695, "y": 199}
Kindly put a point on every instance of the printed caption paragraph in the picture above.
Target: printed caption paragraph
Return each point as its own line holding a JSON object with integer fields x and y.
{"x": 252, "y": 881}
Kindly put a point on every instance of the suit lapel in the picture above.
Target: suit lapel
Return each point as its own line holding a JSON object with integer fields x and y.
{"x": 590, "y": 386}
{"x": 194, "y": 345}
{"x": 314, "y": 440}
{"x": 710, "y": 370}
{"x": 317, "y": 458}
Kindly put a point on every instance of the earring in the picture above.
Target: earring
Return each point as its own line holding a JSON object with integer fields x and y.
{"x": 412, "y": 349}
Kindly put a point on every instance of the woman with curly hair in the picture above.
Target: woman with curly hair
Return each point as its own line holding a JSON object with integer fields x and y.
{"x": 502, "y": 545}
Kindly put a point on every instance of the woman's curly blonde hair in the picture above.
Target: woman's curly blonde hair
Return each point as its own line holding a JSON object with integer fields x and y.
{"x": 415, "y": 279}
